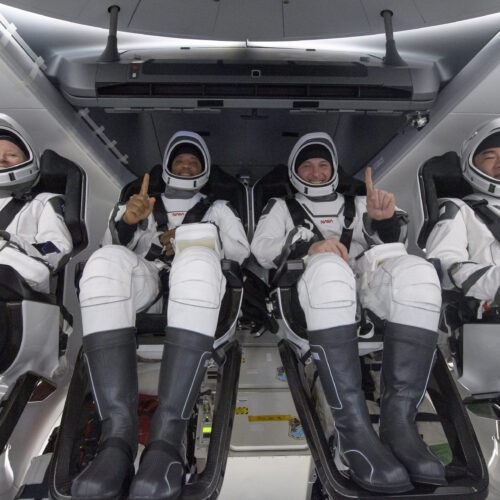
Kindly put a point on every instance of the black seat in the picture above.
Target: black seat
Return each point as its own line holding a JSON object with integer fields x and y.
{"x": 439, "y": 177}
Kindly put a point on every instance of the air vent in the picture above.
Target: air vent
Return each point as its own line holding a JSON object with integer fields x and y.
{"x": 242, "y": 91}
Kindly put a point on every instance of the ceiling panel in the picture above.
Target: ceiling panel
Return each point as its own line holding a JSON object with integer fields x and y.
{"x": 176, "y": 17}
{"x": 260, "y": 19}
{"x": 339, "y": 18}
{"x": 440, "y": 12}
{"x": 245, "y": 19}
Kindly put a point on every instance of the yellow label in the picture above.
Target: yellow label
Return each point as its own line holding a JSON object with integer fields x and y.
{"x": 270, "y": 418}
{"x": 241, "y": 410}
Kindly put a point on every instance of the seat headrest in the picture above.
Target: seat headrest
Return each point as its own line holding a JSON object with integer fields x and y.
{"x": 62, "y": 176}
{"x": 439, "y": 177}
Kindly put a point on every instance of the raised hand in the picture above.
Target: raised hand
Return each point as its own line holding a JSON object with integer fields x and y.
{"x": 139, "y": 206}
{"x": 330, "y": 245}
{"x": 380, "y": 204}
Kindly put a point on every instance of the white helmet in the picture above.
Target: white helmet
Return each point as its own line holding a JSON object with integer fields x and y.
{"x": 485, "y": 136}
{"x": 186, "y": 142}
{"x": 314, "y": 145}
{"x": 20, "y": 178}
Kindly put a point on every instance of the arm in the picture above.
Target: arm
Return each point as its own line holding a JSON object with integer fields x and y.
{"x": 52, "y": 240}
{"x": 271, "y": 233}
{"x": 449, "y": 242}
{"x": 231, "y": 230}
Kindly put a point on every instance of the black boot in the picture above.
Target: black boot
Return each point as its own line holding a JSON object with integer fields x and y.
{"x": 372, "y": 465}
{"x": 406, "y": 365}
{"x": 162, "y": 470}
{"x": 112, "y": 366}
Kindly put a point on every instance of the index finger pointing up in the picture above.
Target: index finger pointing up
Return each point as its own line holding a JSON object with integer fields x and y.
{"x": 368, "y": 179}
{"x": 145, "y": 185}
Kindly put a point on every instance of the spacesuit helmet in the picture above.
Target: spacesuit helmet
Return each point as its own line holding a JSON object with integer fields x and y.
{"x": 313, "y": 145}
{"x": 486, "y": 136}
{"x": 185, "y": 142}
{"x": 18, "y": 178}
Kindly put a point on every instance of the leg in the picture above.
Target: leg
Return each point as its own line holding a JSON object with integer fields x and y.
{"x": 327, "y": 293}
{"x": 109, "y": 299}
{"x": 196, "y": 290}
{"x": 412, "y": 302}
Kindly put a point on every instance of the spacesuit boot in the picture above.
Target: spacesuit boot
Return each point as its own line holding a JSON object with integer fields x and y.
{"x": 111, "y": 362}
{"x": 372, "y": 465}
{"x": 406, "y": 366}
{"x": 183, "y": 366}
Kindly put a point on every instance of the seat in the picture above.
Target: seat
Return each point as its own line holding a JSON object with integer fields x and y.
{"x": 31, "y": 339}
{"x": 466, "y": 470}
{"x": 213, "y": 416}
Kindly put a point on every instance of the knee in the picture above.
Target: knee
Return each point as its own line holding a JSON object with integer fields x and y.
{"x": 328, "y": 282}
{"x": 415, "y": 283}
{"x": 196, "y": 278}
{"x": 107, "y": 275}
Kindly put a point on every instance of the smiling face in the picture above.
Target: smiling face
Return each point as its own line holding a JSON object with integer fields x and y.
{"x": 488, "y": 161}
{"x": 10, "y": 154}
{"x": 315, "y": 171}
{"x": 186, "y": 165}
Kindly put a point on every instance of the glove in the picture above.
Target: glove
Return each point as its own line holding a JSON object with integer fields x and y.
{"x": 166, "y": 239}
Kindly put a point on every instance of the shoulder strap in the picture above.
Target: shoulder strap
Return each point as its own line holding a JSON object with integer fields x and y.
{"x": 160, "y": 214}
{"x": 194, "y": 214}
{"x": 299, "y": 216}
{"x": 491, "y": 220}
{"x": 10, "y": 211}
{"x": 349, "y": 213}
{"x": 198, "y": 211}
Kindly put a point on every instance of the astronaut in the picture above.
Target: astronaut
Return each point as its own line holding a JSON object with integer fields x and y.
{"x": 121, "y": 279}
{"x": 468, "y": 251}
{"x": 401, "y": 289}
{"x": 34, "y": 239}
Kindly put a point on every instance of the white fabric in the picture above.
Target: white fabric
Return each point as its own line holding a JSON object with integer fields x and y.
{"x": 401, "y": 288}
{"x": 36, "y": 222}
{"x": 232, "y": 234}
{"x": 327, "y": 292}
{"x": 118, "y": 281}
{"x": 466, "y": 240}
{"x": 196, "y": 289}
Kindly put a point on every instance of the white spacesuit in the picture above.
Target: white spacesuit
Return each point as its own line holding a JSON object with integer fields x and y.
{"x": 468, "y": 251}
{"x": 34, "y": 238}
{"x": 399, "y": 288}
{"x": 121, "y": 279}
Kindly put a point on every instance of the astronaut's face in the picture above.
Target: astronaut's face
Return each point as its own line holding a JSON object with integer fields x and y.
{"x": 186, "y": 165}
{"x": 315, "y": 171}
{"x": 488, "y": 161}
{"x": 10, "y": 154}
